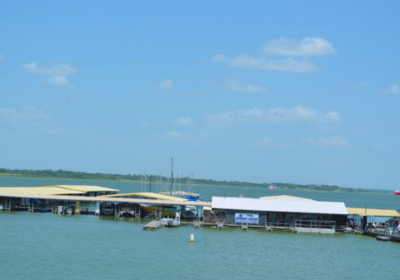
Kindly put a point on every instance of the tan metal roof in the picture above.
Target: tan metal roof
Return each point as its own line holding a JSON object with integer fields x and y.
{"x": 285, "y": 197}
{"x": 84, "y": 188}
{"x": 40, "y": 190}
{"x": 372, "y": 212}
{"x": 102, "y": 199}
{"x": 57, "y": 189}
{"x": 146, "y": 195}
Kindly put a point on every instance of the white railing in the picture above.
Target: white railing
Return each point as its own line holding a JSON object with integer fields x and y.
{"x": 314, "y": 224}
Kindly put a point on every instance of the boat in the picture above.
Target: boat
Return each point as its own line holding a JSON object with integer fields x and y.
{"x": 189, "y": 212}
{"x": 171, "y": 221}
{"x": 107, "y": 211}
{"x": 127, "y": 213}
{"x": 65, "y": 210}
{"x": 126, "y": 210}
{"x": 382, "y": 238}
{"x": 397, "y": 193}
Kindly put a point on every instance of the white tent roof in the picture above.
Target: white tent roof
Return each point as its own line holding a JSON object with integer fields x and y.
{"x": 279, "y": 205}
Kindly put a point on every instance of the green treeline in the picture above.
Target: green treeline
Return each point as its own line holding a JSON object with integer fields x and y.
{"x": 64, "y": 174}
{"x": 288, "y": 186}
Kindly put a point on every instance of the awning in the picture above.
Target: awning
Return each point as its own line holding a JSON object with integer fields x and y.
{"x": 372, "y": 212}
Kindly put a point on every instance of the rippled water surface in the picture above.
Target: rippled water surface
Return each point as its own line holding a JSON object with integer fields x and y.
{"x": 49, "y": 246}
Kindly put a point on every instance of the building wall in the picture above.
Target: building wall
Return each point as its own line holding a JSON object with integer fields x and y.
{"x": 261, "y": 217}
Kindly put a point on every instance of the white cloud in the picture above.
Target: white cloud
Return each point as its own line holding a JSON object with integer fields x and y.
{"x": 53, "y": 130}
{"x": 58, "y": 73}
{"x": 237, "y": 86}
{"x": 27, "y": 114}
{"x": 52, "y": 70}
{"x": 32, "y": 118}
{"x": 330, "y": 142}
{"x": 392, "y": 89}
{"x": 266, "y": 142}
{"x": 7, "y": 114}
{"x": 356, "y": 84}
{"x": 263, "y": 63}
{"x": 59, "y": 81}
{"x": 173, "y": 135}
{"x": 165, "y": 85}
{"x": 263, "y": 142}
{"x": 309, "y": 46}
{"x": 184, "y": 121}
{"x": 219, "y": 58}
{"x": 205, "y": 136}
{"x": 274, "y": 115}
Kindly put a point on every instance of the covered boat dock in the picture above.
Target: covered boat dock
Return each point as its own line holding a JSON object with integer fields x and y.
{"x": 81, "y": 199}
{"x": 49, "y": 198}
{"x": 299, "y": 215}
{"x": 387, "y": 229}
{"x": 147, "y": 209}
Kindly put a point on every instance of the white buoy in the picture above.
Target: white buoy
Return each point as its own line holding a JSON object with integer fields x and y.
{"x": 192, "y": 238}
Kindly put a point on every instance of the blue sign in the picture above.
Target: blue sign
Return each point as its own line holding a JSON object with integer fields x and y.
{"x": 246, "y": 218}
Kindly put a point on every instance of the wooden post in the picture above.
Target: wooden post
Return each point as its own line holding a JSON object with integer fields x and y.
{"x": 77, "y": 207}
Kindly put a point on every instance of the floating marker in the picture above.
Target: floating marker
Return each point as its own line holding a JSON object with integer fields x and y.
{"x": 192, "y": 238}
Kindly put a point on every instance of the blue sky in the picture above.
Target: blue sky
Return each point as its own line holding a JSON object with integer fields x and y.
{"x": 301, "y": 92}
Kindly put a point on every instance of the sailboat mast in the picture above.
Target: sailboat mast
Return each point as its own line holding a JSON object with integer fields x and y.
{"x": 150, "y": 183}
{"x": 172, "y": 174}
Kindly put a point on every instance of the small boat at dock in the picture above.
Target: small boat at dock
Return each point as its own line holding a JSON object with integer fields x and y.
{"x": 171, "y": 220}
{"x": 382, "y": 238}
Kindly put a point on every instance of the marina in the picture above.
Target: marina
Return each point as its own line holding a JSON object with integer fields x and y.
{"x": 269, "y": 213}
{"x": 110, "y": 244}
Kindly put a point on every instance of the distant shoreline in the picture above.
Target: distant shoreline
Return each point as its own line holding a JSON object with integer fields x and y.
{"x": 74, "y": 175}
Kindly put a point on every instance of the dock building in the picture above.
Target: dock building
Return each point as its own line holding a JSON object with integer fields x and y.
{"x": 278, "y": 212}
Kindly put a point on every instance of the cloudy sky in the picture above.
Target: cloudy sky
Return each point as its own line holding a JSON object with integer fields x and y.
{"x": 297, "y": 91}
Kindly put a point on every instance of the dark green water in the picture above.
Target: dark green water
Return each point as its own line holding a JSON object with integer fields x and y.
{"x": 49, "y": 246}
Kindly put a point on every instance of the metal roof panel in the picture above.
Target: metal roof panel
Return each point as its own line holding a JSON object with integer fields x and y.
{"x": 279, "y": 205}
{"x": 84, "y": 188}
{"x": 372, "y": 212}
{"x": 39, "y": 190}
{"x": 147, "y": 195}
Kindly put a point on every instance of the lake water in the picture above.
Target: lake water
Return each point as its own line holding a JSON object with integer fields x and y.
{"x": 49, "y": 246}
